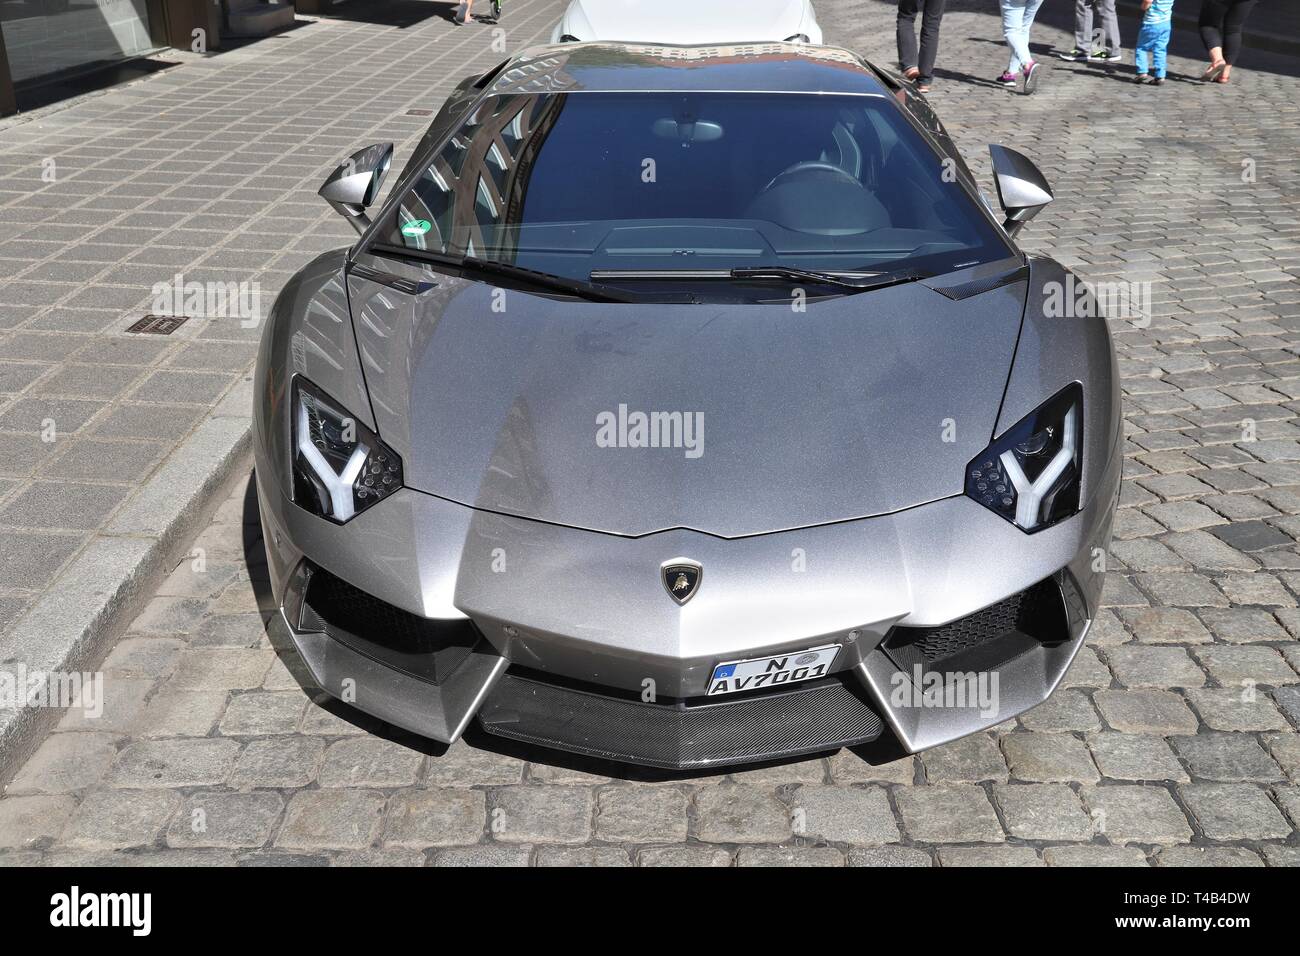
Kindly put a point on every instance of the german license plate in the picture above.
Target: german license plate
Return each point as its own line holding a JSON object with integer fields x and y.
{"x": 760, "y": 672}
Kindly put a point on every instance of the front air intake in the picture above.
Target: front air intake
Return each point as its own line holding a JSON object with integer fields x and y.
{"x": 989, "y": 637}
{"x": 429, "y": 650}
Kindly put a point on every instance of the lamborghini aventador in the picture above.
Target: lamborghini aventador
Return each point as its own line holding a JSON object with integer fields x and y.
{"x": 686, "y": 406}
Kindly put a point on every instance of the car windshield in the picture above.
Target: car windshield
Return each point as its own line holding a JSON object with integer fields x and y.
{"x": 628, "y": 184}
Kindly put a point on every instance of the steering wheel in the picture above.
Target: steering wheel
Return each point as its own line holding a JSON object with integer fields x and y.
{"x": 811, "y": 166}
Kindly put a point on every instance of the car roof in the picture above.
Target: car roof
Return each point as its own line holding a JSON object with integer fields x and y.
{"x": 642, "y": 68}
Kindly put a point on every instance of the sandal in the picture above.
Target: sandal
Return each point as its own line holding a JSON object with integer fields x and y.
{"x": 1214, "y": 71}
{"x": 911, "y": 73}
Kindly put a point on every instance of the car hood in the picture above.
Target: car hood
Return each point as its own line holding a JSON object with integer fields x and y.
{"x": 683, "y": 21}
{"x": 526, "y": 405}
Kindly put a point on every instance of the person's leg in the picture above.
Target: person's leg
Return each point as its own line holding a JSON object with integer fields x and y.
{"x": 1159, "y": 49}
{"x": 906, "y": 31}
{"x": 1083, "y": 24}
{"x": 1015, "y": 28}
{"x": 1233, "y": 23}
{"x": 930, "y": 38}
{"x": 1141, "y": 49}
{"x": 1109, "y": 27}
{"x": 1210, "y": 23}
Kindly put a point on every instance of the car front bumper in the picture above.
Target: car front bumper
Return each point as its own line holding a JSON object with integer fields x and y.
{"x": 574, "y": 643}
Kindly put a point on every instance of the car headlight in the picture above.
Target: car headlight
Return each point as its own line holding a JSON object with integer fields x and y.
{"x": 1031, "y": 474}
{"x": 340, "y": 467}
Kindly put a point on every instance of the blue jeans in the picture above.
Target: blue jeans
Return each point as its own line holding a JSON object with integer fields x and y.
{"x": 1153, "y": 38}
{"x": 1017, "y": 18}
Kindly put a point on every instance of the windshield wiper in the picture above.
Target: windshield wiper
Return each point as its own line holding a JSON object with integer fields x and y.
{"x": 856, "y": 281}
{"x": 852, "y": 281}
{"x": 539, "y": 280}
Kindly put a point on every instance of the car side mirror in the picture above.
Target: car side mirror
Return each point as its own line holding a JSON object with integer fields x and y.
{"x": 356, "y": 183}
{"x": 1023, "y": 191}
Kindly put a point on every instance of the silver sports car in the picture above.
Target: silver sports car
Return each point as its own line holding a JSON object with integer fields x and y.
{"x": 686, "y": 406}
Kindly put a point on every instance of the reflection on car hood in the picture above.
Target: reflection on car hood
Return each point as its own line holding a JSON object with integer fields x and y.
{"x": 522, "y": 404}
{"x": 687, "y": 21}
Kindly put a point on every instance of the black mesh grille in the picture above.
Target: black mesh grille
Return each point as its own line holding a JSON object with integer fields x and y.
{"x": 1037, "y": 613}
{"x": 820, "y": 717}
{"x": 417, "y": 646}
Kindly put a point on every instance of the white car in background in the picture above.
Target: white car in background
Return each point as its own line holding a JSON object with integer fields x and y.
{"x": 686, "y": 22}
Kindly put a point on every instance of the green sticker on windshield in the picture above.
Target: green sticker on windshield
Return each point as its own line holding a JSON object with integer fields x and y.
{"x": 416, "y": 227}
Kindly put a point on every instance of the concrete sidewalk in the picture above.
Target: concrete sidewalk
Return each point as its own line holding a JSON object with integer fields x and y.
{"x": 113, "y": 443}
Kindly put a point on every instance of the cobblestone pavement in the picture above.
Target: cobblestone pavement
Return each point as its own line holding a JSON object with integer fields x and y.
{"x": 1173, "y": 739}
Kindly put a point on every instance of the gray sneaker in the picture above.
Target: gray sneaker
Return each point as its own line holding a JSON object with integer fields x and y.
{"x": 1031, "y": 73}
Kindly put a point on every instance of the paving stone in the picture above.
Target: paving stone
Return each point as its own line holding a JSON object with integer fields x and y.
{"x": 844, "y": 815}
{"x": 1207, "y": 856}
{"x": 1133, "y": 814}
{"x": 1243, "y": 625}
{"x": 889, "y": 856}
{"x": 1226, "y": 757}
{"x": 967, "y": 760}
{"x": 1158, "y": 712}
{"x": 1122, "y": 756}
{"x": 117, "y": 819}
{"x": 466, "y": 766}
{"x": 1048, "y": 811}
{"x": 1288, "y": 798}
{"x": 1147, "y": 554}
{"x": 683, "y": 856}
{"x": 1287, "y": 700}
{"x": 1285, "y": 749}
{"x": 331, "y": 819}
{"x": 1258, "y": 588}
{"x": 1048, "y": 758}
{"x": 1087, "y": 670}
{"x": 174, "y": 763}
{"x": 1207, "y": 552}
{"x": 798, "y": 771}
{"x": 1242, "y": 665}
{"x": 28, "y": 821}
{"x": 789, "y": 856}
{"x": 1103, "y": 856}
{"x": 1137, "y": 665}
{"x": 1250, "y": 536}
{"x": 213, "y": 669}
{"x": 1281, "y": 855}
{"x": 181, "y": 713}
{"x": 386, "y": 857}
{"x": 1236, "y": 709}
{"x": 632, "y": 814}
{"x": 1183, "y": 515}
{"x": 258, "y": 713}
{"x": 369, "y": 762}
{"x": 849, "y": 767}
{"x": 66, "y": 763}
{"x": 1164, "y": 625}
{"x": 232, "y": 820}
{"x": 567, "y": 856}
{"x": 1066, "y": 710}
{"x": 541, "y": 814}
{"x": 143, "y": 657}
{"x": 444, "y": 817}
{"x": 1234, "y": 811}
{"x": 736, "y": 813}
{"x": 484, "y": 855}
{"x": 1182, "y": 590}
{"x": 988, "y": 856}
{"x": 951, "y": 813}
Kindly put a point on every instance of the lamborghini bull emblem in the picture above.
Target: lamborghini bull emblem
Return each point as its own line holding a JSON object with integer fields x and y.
{"x": 681, "y": 579}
